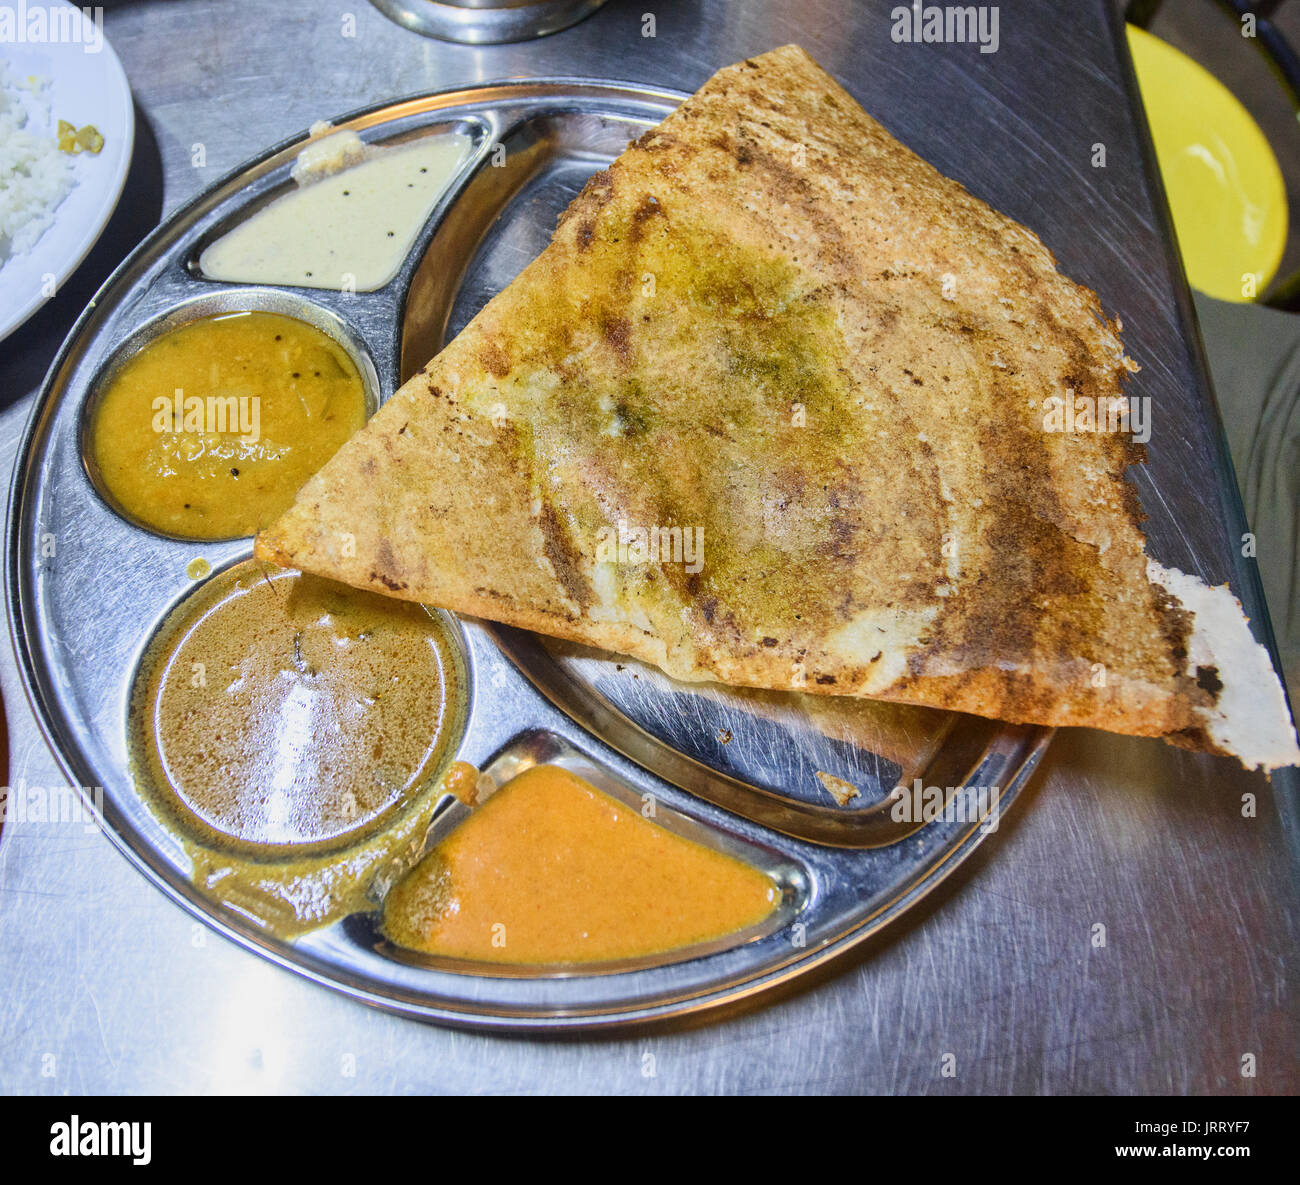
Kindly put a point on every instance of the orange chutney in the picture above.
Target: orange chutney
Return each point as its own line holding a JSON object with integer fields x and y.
{"x": 552, "y": 870}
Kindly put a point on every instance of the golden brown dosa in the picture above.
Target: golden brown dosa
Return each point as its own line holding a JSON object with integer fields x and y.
{"x": 770, "y": 322}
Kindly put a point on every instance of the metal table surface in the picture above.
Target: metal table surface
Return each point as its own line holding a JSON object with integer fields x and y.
{"x": 1004, "y": 980}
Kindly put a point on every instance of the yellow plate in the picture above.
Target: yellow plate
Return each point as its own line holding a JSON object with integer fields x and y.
{"x": 1225, "y": 188}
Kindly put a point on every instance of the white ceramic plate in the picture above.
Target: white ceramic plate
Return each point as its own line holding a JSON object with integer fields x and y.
{"x": 86, "y": 87}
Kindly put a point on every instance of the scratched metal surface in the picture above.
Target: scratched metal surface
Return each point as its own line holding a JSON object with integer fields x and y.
{"x": 110, "y": 987}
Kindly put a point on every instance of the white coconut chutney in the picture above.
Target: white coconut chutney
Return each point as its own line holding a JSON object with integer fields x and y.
{"x": 348, "y": 230}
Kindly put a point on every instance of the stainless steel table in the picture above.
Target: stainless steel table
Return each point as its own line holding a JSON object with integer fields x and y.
{"x": 106, "y": 986}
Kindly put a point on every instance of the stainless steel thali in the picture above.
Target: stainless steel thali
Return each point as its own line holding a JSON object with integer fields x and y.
{"x": 736, "y": 770}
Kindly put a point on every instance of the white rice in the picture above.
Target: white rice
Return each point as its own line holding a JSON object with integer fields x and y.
{"x": 34, "y": 175}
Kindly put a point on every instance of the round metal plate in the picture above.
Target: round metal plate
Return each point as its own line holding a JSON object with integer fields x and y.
{"x": 737, "y": 770}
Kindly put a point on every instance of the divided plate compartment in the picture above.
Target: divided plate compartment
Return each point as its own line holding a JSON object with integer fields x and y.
{"x": 736, "y": 769}
{"x": 540, "y": 747}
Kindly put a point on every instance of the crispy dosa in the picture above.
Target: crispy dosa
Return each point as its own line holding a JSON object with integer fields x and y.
{"x": 773, "y": 328}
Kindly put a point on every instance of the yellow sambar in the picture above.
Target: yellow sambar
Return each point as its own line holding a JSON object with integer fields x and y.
{"x": 209, "y": 431}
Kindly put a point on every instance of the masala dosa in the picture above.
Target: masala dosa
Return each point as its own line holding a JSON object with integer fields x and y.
{"x": 770, "y": 322}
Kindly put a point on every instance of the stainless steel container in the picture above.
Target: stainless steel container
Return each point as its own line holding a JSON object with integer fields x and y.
{"x": 487, "y": 22}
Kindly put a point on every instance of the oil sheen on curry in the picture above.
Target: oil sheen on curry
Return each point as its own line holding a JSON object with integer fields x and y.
{"x": 290, "y": 731}
{"x": 551, "y": 870}
{"x": 208, "y": 432}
